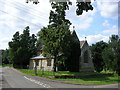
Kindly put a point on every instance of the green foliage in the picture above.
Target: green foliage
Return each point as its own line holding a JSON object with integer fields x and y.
{"x": 14, "y": 45}
{"x": 58, "y": 43}
{"x": 111, "y": 54}
{"x": 5, "y": 57}
{"x": 22, "y": 48}
{"x": 85, "y": 81}
{"x": 56, "y": 36}
{"x": 97, "y": 50}
{"x": 82, "y": 5}
{"x": 72, "y": 63}
{"x": 57, "y": 17}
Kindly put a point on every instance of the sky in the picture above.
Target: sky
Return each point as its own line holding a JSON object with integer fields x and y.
{"x": 98, "y": 24}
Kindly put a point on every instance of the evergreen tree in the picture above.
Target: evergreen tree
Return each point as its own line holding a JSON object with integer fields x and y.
{"x": 72, "y": 63}
{"x": 97, "y": 50}
{"x": 59, "y": 42}
{"x": 22, "y": 48}
{"x": 14, "y": 45}
{"x": 5, "y": 57}
{"x": 56, "y": 42}
{"x": 111, "y": 54}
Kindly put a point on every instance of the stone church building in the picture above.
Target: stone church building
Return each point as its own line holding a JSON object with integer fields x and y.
{"x": 85, "y": 59}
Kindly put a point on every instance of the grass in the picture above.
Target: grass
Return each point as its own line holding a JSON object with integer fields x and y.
{"x": 59, "y": 73}
{"x": 94, "y": 81}
{"x": 85, "y": 81}
{"x": 5, "y": 65}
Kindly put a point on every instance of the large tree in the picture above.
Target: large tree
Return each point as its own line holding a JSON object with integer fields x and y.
{"x": 56, "y": 42}
{"x": 72, "y": 63}
{"x": 97, "y": 50}
{"x": 14, "y": 45}
{"x": 22, "y": 48}
{"x": 57, "y": 21}
{"x": 111, "y": 54}
{"x": 56, "y": 36}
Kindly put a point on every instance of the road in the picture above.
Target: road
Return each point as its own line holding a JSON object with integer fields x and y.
{"x": 10, "y": 78}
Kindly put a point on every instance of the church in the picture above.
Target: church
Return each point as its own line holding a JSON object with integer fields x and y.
{"x": 46, "y": 64}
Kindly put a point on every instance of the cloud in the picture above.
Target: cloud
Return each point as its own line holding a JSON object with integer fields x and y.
{"x": 95, "y": 38}
{"x": 111, "y": 29}
{"x": 81, "y": 22}
{"x": 4, "y": 42}
{"x": 15, "y": 15}
{"x": 108, "y": 9}
{"x": 106, "y": 23}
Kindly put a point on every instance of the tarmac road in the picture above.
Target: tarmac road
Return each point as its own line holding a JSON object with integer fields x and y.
{"x": 11, "y": 78}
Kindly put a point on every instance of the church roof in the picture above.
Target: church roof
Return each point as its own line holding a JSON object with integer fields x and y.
{"x": 38, "y": 57}
{"x": 81, "y": 43}
{"x": 74, "y": 35}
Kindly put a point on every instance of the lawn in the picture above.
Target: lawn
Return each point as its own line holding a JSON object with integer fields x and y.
{"x": 86, "y": 81}
{"x": 93, "y": 81}
{"x": 5, "y": 65}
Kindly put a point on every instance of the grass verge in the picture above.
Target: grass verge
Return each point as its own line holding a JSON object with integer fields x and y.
{"x": 85, "y": 81}
{"x": 5, "y": 65}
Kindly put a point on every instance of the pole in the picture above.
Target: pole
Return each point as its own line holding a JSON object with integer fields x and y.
{"x": 35, "y": 68}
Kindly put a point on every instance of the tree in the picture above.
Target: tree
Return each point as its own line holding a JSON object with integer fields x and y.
{"x": 97, "y": 50}
{"x": 53, "y": 35}
{"x": 82, "y": 5}
{"x": 56, "y": 42}
{"x": 32, "y": 45}
{"x": 56, "y": 36}
{"x": 111, "y": 55}
{"x": 72, "y": 63}
{"x": 5, "y": 57}
{"x": 50, "y": 35}
{"x": 22, "y": 48}
{"x": 14, "y": 45}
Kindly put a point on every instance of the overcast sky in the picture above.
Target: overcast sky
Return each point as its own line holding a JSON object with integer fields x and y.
{"x": 96, "y": 25}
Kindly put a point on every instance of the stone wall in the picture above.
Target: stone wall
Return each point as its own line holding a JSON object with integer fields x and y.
{"x": 42, "y": 65}
{"x": 89, "y": 65}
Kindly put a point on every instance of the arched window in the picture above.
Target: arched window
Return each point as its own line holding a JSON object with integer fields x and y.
{"x": 86, "y": 57}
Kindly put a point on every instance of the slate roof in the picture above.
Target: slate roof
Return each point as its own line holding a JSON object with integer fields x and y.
{"x": 82, "y": 42}
{"x": 38, "y": 57}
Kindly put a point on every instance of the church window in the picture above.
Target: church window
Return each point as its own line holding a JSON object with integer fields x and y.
{"x": 86, "y": 57}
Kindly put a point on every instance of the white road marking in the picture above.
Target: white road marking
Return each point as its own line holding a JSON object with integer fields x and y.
{"x": 37, "y": 82}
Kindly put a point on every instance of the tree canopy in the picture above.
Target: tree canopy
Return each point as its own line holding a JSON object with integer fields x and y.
{"x": 97, "y": 50}
{"x": 22, "y": 48}
{"x": 56, "y": 37}
{"x": 111, "y": 55}
{"x": 5, "y": 57}
{"x": 56, "y": 42}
